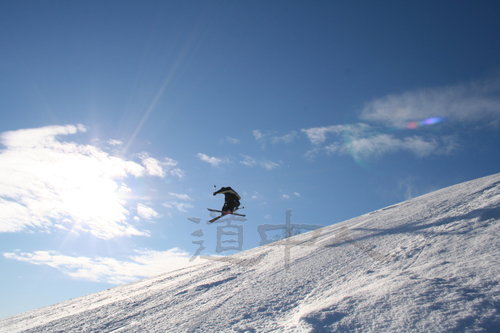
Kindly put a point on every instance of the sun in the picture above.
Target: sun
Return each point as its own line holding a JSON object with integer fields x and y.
{"x": 90, "y": 194}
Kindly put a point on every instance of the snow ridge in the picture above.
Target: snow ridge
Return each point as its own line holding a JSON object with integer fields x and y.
{"x": 426, "y": 264}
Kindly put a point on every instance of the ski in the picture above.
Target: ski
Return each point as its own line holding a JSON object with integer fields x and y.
{"x": 220, "y": 211}
{"x": 215, "y": 218}
{"x": 222, "y": 214}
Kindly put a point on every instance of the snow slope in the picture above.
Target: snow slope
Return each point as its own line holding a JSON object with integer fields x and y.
{"x": 429, "y": 264}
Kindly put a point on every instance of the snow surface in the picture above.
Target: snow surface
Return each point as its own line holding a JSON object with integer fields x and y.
{"x": 429, "y": 264}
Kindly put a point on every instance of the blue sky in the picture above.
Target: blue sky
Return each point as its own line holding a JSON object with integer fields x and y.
{"x": 117, "y": 118}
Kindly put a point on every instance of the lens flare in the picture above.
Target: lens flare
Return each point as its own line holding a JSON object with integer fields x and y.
{"x": 432, "y": 121}
{"x": 425, "y": 122}
{"x": 412, "y": 125}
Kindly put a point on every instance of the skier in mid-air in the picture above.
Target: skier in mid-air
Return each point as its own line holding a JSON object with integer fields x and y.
{"x": 231, "y": 199}
{"x": 231, "y": 203}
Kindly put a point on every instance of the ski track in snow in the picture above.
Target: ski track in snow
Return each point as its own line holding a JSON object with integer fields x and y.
{"x": 429, "y": 264}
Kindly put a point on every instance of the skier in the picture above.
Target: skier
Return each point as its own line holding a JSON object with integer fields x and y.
{"x": 231, "y": 200}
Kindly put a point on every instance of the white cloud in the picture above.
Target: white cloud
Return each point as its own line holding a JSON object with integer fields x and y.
{"x": 146, "y": 212}
{"x": 318, "y": 135}
{"x": 47, "y": 184}
{"x": 380, "y": 144}
{"x": 476, "y": 101}
{"x": 248, "y": 161}
{"x": 264, "y": 137}
{"x": 213, "y": 161}
{"x": 145, "y": 263}
{"x": 152, "y": 165}
{"x": 384, "y": 143}
{"x": 256, "y": 196}
{"x": 258, "y": 134}
{"x": 176, "y": 172}
{"x": 364, "y": 141}
{"x": 269, "y": 165}
{"x": 251, "y": 162}
{"x": 171, "y": 168}
{"x": 38, "y": 137}
{"x": 180, "y": 196}
{"x": 114, "y": 142}
{"x": 180, "y": 206}
{"x": 232, "y": 140}
{"x": 287, "y": 196}
{"x": 169, "y": 162}
{"x": 167, "y": 166}
{"x": 287, "y": 138}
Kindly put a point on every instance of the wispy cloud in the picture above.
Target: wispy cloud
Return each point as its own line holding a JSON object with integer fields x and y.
{"x": 180, "y": 206}
{"x": 48, "y": 184}
{"x": 318, "y": 135}
{"x": 180, "y": 196}
{"x": 144, "y": 263}
{"x": 400, "y": 122}
{"x": 364, "y": 141}
{"x": 251, "y": 162}
{"x": 256, "y": 196}
{"x": 410, "y": 187}
{"x": 475, "y": 101}
{"x": 213, "y": 161}
{"x": 264, "y": 137}
{"x": 152, "y": 165}
{"x": 146, "y": 212}
{"x": 288, "y": 196}
{"x": 114, "y": 142}
{"x": 170, "y": 165}
{"x": 232, "y": 140}
{"x": 179, "y": 202}
{"x": 380, "y": 144}
{"x": 258, "y": 134}
{"x": 248, "y": 161}
{"x": 286, "y": 138}
{"x": 269, "y": 165}
{"x": 155, "y": 167}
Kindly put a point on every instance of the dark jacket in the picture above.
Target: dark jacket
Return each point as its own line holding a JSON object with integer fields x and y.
{"x": 231, "y": 198}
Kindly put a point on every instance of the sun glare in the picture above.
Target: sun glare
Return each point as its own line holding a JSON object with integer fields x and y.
{"x": 91, "y": 195}
{"x": 68, "y": 186}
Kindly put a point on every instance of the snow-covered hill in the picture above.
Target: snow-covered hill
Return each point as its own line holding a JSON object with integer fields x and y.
{"x": 430, "y": 264}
